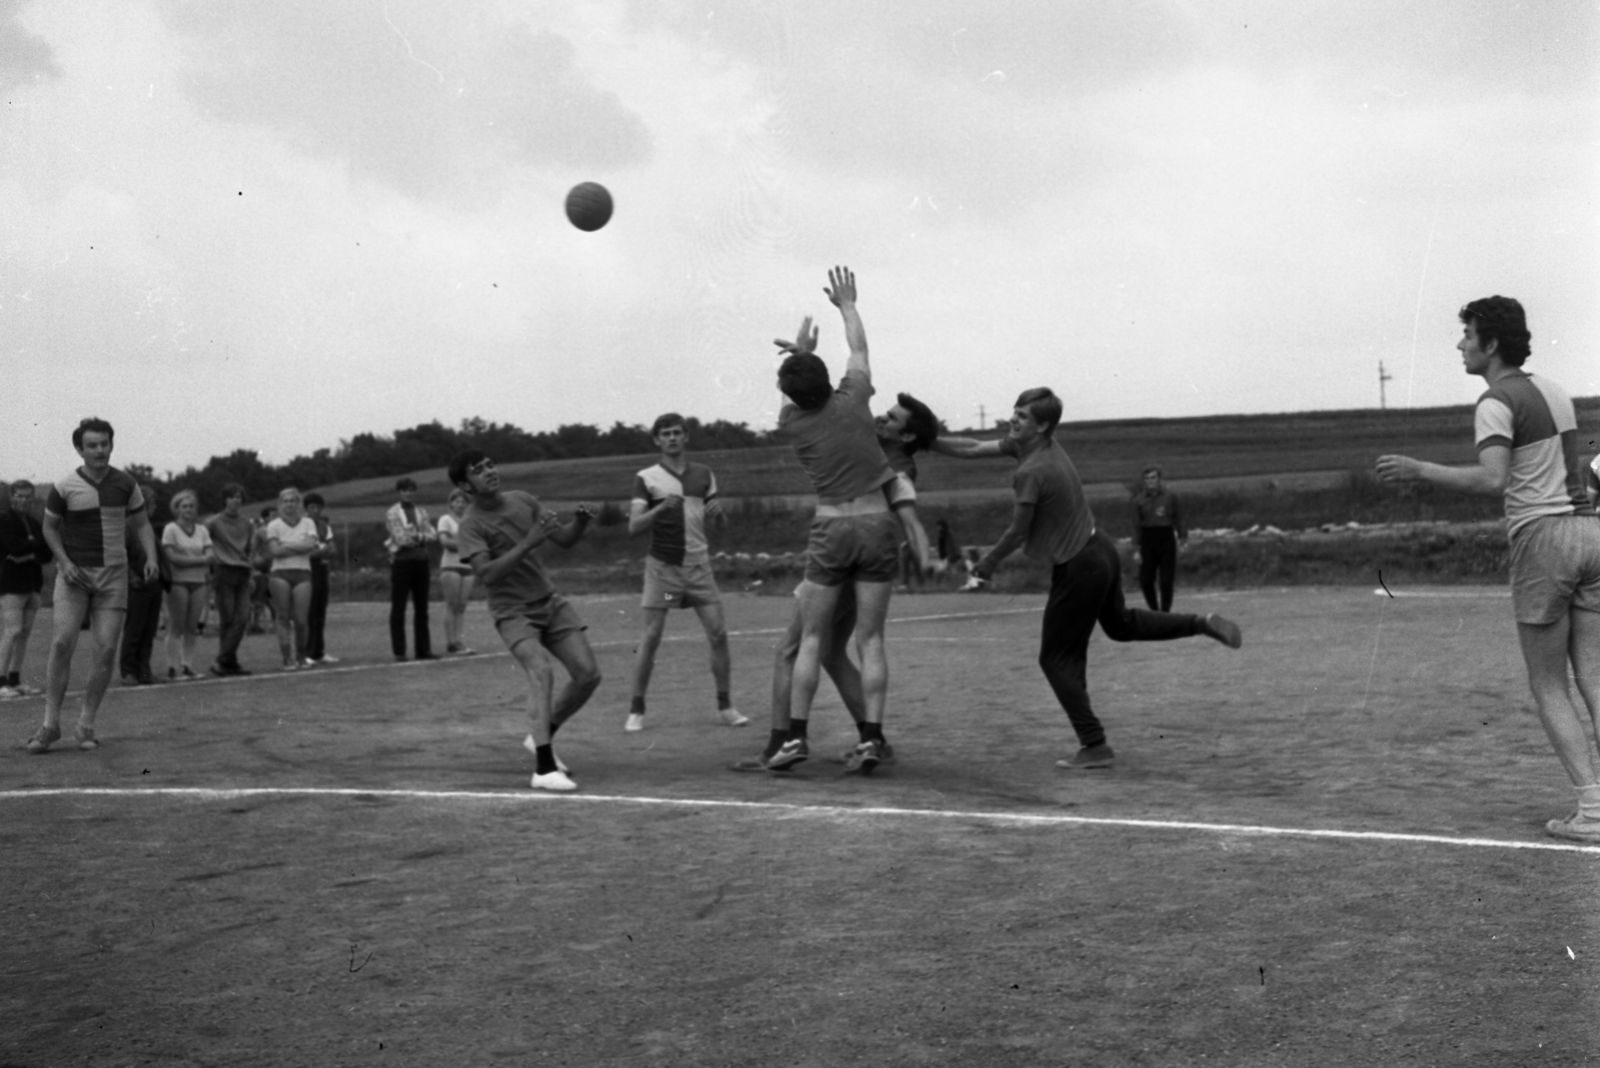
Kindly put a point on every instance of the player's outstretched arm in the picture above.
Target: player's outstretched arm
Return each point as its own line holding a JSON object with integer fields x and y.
{"x": 965, "y": 448}
{"x": 841, "y": 291}
{"x": 1012, "y": 540}
{"x": 1487, "y": 477}
{"x": 805, "y": 340}
{"x": 571, "y": 533}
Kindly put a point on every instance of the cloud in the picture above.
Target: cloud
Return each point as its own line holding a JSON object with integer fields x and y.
{"x": 23, "y": 56}
{"x": 437, "y": 101}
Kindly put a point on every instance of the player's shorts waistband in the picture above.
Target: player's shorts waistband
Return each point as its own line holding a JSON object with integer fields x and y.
{"x": 870, "y": 503}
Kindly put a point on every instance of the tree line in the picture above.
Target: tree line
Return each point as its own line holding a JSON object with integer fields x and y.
{"x": 430, "y": 445}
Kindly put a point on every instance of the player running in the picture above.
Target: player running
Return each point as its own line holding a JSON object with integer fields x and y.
{"x": 1051, "y": 521}
{"x": 87, "y": 518}
{"x": 672, "y": 500}
{"x": 499, "y": 538}
{"x": 1526, "y": 431}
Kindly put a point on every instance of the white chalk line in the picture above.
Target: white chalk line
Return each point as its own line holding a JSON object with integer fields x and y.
{"x": 1445, "y": 595}
{"x": 830, "y": 811}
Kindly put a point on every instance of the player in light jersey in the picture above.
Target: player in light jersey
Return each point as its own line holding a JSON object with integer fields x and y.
{"x": 672, "y": 500}
{"x": 86, "y": 521}
{"x": 1526, "y": 431}
{"x": 499, "y": 538}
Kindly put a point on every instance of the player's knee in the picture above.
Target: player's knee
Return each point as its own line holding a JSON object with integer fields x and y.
{"x": 587, "y": 678}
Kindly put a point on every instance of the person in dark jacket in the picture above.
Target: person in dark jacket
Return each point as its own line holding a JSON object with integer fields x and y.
{"x": 1159, "y": 522}
{"x": 144, "y": 603}
{"x": 23, "y": 554}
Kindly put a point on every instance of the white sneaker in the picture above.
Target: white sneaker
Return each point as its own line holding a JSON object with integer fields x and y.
{"x": 8, "y": 692}
{"x": 635, "y": 722}
{"x": 732, "y": 718}
{"x": 327, "y": 660}
{"x": 533, "y": 747}
{"x": 555, "y": 780}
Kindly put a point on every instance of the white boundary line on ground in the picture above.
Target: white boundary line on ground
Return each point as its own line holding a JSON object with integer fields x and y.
{"x": 1033, "y": 819}
{"x": 1495, "y": 594}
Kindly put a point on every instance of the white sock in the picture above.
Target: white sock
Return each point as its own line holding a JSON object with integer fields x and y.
{"x": 1589, "y": 801}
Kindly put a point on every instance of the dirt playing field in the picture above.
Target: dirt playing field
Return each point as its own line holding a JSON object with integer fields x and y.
{"x": 1324, "y": 849}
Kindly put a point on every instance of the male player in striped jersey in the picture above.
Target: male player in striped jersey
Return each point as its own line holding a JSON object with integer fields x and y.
{"x": 1526, "y": 430}
{"x": 87, "y": 517}
{"x": 672, "y": 500}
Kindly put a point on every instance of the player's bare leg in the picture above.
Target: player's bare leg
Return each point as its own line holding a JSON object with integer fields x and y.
{"x": 644, "y": 662}
{"x": 1546, "y": 649}
{"x": 716, "y": 628}
{"x": 872, "y": 612}
{"x": 105, "y": 628}
{"x": 68, "y": 619}
{"x": 817, "y": 605}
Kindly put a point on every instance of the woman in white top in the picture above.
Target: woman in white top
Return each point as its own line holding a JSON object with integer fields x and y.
{"x": 454, "y": 576}
{"x": 291, "y": 539}
{"x": 186, "y": 544}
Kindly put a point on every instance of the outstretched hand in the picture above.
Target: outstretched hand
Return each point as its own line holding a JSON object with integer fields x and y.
{"x": 841, "y": 288}
{"x": 804, "y": 341}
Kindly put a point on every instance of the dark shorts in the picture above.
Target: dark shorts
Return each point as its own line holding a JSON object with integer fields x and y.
{"x": 550, "y": 621}
{"x": 856, "y": 548}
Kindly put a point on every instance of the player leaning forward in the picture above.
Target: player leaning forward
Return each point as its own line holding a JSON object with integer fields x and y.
{"x": 1051, "y": 521}
{"x": 1527, "y": 436}
{"x": 499, "y": 538}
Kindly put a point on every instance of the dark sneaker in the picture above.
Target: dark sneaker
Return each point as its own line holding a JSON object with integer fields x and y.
{"x": 885, "y": 754}
{"x": 1224, "y": 630}
{"x": 792, "y": 752}
{"x": 756, "y": 763}
{"x": 218, "y": 670}
{"x": 865, "y": 757}
{"x": 1093, "y": 756}
{"x": 43, "y": 739}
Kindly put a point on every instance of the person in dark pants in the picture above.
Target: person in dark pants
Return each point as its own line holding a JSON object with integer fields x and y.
{"x": 1052, "y": 522}
{"x": 23, "y": 554}
{"x": 144, "y": 602}
{"x": 410, "y": 532}
{"x": 233, "y": 538}
{"x": 315, "y": 647}
{"x": 1159, "y": 521}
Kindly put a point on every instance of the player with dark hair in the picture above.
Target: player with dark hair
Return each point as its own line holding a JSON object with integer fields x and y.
{"x": 1052, "y": 522}
{"x": 233, "y": 539}
{"x": 85, "y": 521}
{"x": 498, "y": 538}
{"x": 673, "y": 500}
{"x": 23, "y": 554}
{"x": 410, "y": 533}
{"x": 1526, "y": 430}
{"x": 321, "y": 581}
{"x": 1158, "y": 520}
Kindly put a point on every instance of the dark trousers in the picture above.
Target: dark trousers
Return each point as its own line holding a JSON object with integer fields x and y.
{"x": 408, "y": 580}
{"x": 233, "y": 613}
{"x": 319, "y": 609}
{"x": 139, "y": 630}
{"x": 1158, "y": 561}
{"x": 1086, "y": 590}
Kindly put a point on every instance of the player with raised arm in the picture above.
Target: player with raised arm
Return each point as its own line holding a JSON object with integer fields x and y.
{"x": 673, "y": 500}
{"x": 86, "y": 520}
{"x": 1052, "y": 522}
{"x": 1526, "y": 430}
{"x": 854, "y": 538}
{"x": 499, "y": 539}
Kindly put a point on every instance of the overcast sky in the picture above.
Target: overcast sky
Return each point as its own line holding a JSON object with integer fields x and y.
{"x": 274, "y": 225}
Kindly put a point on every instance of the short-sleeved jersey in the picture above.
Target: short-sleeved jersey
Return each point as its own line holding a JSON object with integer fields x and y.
{"x": 94, "y": 516}
{"x": 303, "y": 532}
{"x": 1046, "y": 479}
{"x": 495, "y": 531}
{"x": 1534, "y": 418}
{"x": 677, "y": 535}
{"x": 449, "y": 525}
{"x": 837, "y": 444}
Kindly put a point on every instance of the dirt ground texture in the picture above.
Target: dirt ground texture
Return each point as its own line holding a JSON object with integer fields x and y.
{"x": 345, "y": 866}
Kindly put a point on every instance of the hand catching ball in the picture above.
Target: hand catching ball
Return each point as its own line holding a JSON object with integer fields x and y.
{"x": 589, "y": 206}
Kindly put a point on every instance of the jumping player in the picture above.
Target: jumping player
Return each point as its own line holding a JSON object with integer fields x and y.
{"x": 855, "y": 539}
{"x": 1527, "y": 436}
{"x": 672, "y": 500}
{"x": 1051, "y": 521}
{"x": 86, "y": 520}
{"x": 498, "y": 538}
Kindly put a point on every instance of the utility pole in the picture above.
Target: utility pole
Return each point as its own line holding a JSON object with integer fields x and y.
{"x": 980, "y": 417}
{"x": 1383, "y": 376}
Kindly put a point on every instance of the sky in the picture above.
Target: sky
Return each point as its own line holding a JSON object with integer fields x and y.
{"x": 227, "y": 224}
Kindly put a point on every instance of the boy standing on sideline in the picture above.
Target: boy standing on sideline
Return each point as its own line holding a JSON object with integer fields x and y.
{"x": 1159, "y": 524}
{"x": 316, "y": 649}
{"x": 1526, "y": 430}
{"x": 499, "y": 538}
{"x": 1051, "y": 521}
{"x": 410, "y": 532}
{"x": 672, "y": 500}
{"x": 86, "y": 519}
{"x": 23, "y": 554}
{"x": 232, "y": 537}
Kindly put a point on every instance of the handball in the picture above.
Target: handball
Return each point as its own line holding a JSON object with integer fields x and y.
{"x": 589, "y": 206}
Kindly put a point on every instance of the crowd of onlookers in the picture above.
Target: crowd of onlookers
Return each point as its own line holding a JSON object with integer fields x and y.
{"x": 234, "y": 574}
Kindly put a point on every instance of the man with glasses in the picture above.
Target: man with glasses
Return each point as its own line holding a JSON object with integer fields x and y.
{"x": 499, "y": 539}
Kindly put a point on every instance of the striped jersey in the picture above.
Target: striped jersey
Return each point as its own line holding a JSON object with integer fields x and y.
{"x": 678, "y": 535}
{"x": 1534, "y": 418}
{"x": 94, "y": 516}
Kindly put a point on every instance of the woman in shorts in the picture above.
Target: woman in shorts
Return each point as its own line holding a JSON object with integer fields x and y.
{"x": 186, "y": 544}
{"x": 454, "y": 576}
{"x": 291, "y": 539}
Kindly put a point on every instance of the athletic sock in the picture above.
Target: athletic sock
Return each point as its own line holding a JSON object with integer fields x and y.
{"x": 797, "y": 728}
{"x": 775, "y": 740}
{"x": 544, "y": 758}
{"x": 863, "y": 732}
{"x": 1589, "y": 801}
{"x": 723, "y": 701}
{"x": 636, "y": 706}
{"x": 14, "y": 679}
{"x": 871, "y": 732}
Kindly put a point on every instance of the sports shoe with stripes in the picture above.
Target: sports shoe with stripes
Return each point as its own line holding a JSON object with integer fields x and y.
{"x": 865, "y": 757}
{"x": 792, "y": 752}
